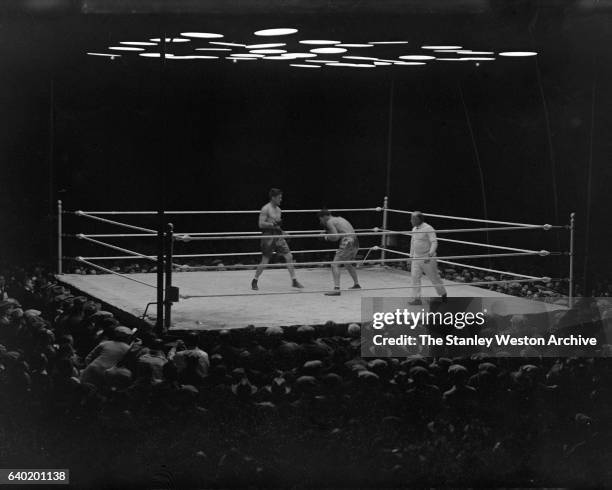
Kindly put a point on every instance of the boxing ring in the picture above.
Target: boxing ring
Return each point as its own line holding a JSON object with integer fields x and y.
{"x": 216, "y": 292}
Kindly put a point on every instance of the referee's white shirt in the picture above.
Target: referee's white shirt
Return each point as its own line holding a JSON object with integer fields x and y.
{"x": 420, "y": 243}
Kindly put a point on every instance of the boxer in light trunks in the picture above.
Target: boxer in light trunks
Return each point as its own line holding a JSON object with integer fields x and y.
{"x": 347, "y": 248}
{"x": 270, "y": 223}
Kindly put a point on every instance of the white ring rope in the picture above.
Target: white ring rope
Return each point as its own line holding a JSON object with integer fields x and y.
{"x": 110, "y": 271}
{"x": 114, "y": 247}
{"x": 225, "y": 211}
{"x": 499, "y": 247}
{"x": 118, "y": 223}
{"x": 228, "y": 254}
{"x": 485, "y": 269}
{"x": 541, "y": 253}
{"x": 275, "y": 293}
{"x": 229, "y": 234}
{"x": 186, "y": 238}
{"x": 460, "y": 218}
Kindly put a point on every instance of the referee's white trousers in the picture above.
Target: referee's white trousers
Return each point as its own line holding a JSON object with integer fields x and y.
{"x": 418, "y": 267}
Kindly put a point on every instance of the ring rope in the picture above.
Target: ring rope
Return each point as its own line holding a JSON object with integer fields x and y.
{"x": 499, "y": 247}
{"x": 460, "y": 218}
{"x": 342, "y": 262}
{"x": 185, "y": 238}
{"x": 81, "y": 213}
{"x": 485, "y": 269}
{"x": 120, "y": 249}
{"x": 542, "y": 253}
{"x": 110, "y": 271}
{"x": 225, "y": 211}
{"x": 274, "y": 293}
{"x": 229, "y": 254}
{"x": 221, "y": 233}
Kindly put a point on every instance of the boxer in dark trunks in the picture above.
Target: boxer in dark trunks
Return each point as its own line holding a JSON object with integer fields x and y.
{"x": 270, "y": 223}
{"x": 347, "y": 248}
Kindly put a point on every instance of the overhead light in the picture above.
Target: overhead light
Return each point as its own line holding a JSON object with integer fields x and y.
{"x": 125, "y": 48}
{"x": 212, "y": 49}
{"x": 284, "y": 31}
{"x": 322, "y": 61}
{"x": 354, "y": 45}
{"x": 150, "y": 55}
{"x": 352, "y": 65}
{"x": 300, "y": 55}
{"x": 361, "y": 58}
{"x": 170, "y": 40}
{"x": 469, "y": 51}
{"x": 202, "y": 35}
{"x": 448, "y": 59}
{"x": 445, "y": 50}
{"x": 235, "y": 45}
{"x": 281, "y": 57}
{"x": 518, "y": 54}
{"x": 137, "y": 43}
{"x": 441, "y": 47}
{"x": 477, "y": 58}
{"x": 268, "y": 51}
{"x": 108, "y": 55}
{"x": 241, "y": 59}
{"x": 305, "y": 66}
{"x": 246, "y": 55}
{"x": 382, "y": 63}
{"x": 265, "y": 46}
{"x": 409, "y": 63}
{"x": 192, "y": 57}
{"x": 388, "y": 42}
{"x": 417, "y": 57}
{"x": 328, "y": 50}
{"x": 319, "y": 41}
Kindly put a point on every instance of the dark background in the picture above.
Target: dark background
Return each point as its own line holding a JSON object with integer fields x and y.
{"x": 98, "y": 133}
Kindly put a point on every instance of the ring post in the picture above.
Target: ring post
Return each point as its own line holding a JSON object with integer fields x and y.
{"x": 60, "y": 251}
{"x": 383, "y": 239}
{"x": 160, "y": 270}
{"x": 168, "y": 300}
{"x": 571, "y": 260}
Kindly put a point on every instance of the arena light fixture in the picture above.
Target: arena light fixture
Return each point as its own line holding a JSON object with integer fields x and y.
{"x": 125, "y": 48}
{"x": 409, "y": 63}
{"x": 170, "y": 40}
{"x": 282, "y": 31}
{"x": 319, "y": 41}
{"x": 213, "y": 49}
{"x": 202, "y": 35}
{"x": 240, "y": 58}
{"x": 274, "y": 57}
{"x": 417, "y": 57}
{"x": 107, "y": 55}
{"x": 328, "y": 50}
{"x": 352, "y": 65}
{"x": 354, "y": 45}
{"x": 469, "y": 51}
{"x": 369, "y": 58}
{"x": 246, "y": 55}
{"x": 477, "y": 58}
{"x": 387, "y": 42}
{"x": 299, "y": 55}
{"x": 321, "y": 61}
{"x": 518, "y": 54}
{"x": 138, "y": 43}
{"x": 233, "y": 45}
{"x": 265, "y": 46}
{"x": 441, "y": 47}
{"x": 268, "y": 51}
{"x": 305, "y": 66}
{"x": 448, "y": 59}
{"x": 150, "y": 55}
{"x": 382, "y": 63}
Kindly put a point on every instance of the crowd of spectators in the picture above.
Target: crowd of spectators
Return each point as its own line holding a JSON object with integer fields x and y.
{"x": 120, "y": 405}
